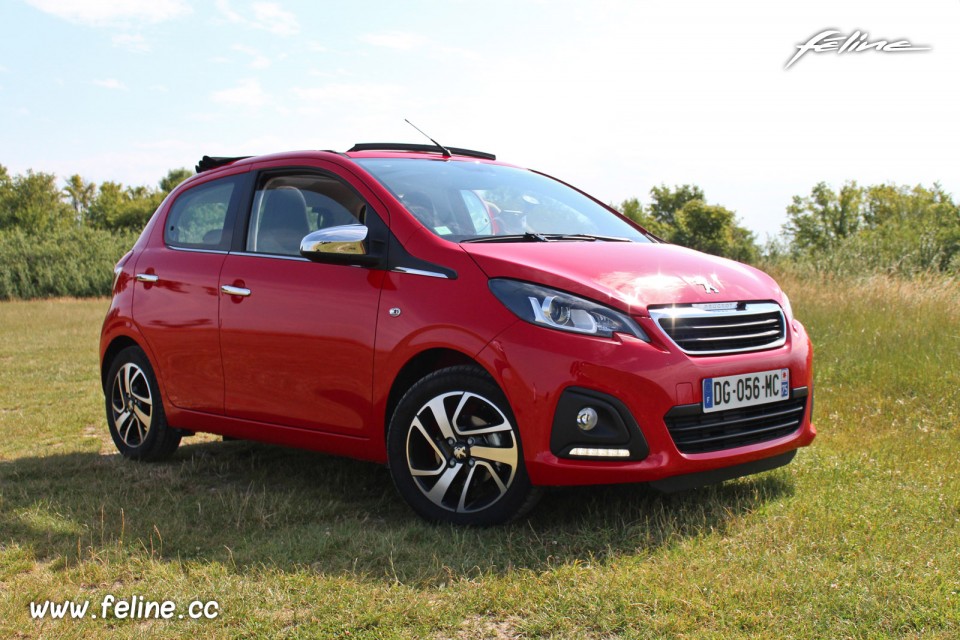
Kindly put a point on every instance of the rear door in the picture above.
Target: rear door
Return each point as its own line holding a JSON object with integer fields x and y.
{"x": 176, "y": 301}
{"x": 297, "y": 337}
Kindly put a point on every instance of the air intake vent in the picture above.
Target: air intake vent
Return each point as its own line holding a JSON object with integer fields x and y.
{"x": 723, "y": 328}
{"x": 696, "y": 432}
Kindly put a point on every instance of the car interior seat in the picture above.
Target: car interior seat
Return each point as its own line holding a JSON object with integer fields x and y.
{"x": 283, "y": 222}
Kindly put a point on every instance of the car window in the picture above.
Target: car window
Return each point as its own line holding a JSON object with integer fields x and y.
{"x": 198, "y": 217}
{"x": 287, "y": 208}
{"x": 459, "y": 200}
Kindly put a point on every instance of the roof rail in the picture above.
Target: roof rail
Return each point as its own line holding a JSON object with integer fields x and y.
{"x": 207, "y": 162}
{"x": 403, "y": 146}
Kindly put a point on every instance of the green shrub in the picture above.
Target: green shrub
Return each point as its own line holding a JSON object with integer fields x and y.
{"x": 67, "y": 262}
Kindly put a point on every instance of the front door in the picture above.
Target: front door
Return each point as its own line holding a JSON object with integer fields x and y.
{"x": 297, "y": 337}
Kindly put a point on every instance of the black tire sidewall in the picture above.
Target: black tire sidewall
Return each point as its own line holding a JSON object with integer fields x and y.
{"x": 161, "y": 441}
{"x": 460, "y": 378}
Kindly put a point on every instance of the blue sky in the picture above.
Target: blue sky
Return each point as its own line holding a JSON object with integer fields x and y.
{"x": 613, "y": 96}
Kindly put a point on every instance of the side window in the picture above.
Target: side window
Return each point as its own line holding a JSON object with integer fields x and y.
{"x": 198, "y": 217}
{"x": 286, "y": 208}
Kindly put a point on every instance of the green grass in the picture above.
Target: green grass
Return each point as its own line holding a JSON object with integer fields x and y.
{"x": 859, "y": 537}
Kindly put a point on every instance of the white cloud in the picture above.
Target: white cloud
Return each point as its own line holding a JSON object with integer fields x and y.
{"x": 268, "y": 16}
{"x": 407, "y": 41}
{"x": 134, "y": 43}
{"x": 99, "y": 13}
{"x": 258, "y": 60}
{"x": 248, "y": 93}
{"x": 110, "y": 83}
{"x": 399, "y": 40}
{"x": 170, "y": 144}
{"x": 275, "y": 19}
{"x": 359, "y": 93}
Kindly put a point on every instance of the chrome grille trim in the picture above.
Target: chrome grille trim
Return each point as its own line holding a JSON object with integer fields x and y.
{"x": 750, "y": 326}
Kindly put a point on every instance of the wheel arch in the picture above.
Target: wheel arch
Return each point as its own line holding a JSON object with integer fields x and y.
{"x": 420, "y": 366}
{"x": 116, "y": 345}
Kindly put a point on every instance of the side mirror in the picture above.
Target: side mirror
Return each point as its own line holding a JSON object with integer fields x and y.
{"x": 344, "y": 244}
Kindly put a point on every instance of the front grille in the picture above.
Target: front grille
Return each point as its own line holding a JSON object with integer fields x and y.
{"x": 696, "y": 432}
{"x": 723, "y": 328}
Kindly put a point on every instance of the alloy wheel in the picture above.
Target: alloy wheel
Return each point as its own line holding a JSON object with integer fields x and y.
{"x": 132, "y": 404}
{"x": 462, "y": 451}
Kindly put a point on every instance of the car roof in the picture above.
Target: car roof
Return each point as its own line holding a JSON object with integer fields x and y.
{"x": 360, "y": 150}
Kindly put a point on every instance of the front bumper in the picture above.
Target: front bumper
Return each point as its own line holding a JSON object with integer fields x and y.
{"x": 535, "y": 365}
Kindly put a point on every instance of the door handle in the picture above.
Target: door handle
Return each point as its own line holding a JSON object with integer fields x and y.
{"x": 235, "y": 291}
{"x": 147, "y": 277}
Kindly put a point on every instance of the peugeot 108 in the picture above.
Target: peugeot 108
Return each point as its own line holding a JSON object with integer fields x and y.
{"x": 483, "y": 329}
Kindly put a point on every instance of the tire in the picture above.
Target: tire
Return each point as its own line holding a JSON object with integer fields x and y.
{"x": 454, "y": 450}
{"x": 138, "y": 424}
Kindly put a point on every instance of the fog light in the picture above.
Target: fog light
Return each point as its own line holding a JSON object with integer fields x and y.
{"x": 593, "y": 452}
{"x": 587, "y": 419}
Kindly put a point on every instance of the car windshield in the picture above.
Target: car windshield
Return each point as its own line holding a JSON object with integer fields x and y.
{"x": 477, "y": 202}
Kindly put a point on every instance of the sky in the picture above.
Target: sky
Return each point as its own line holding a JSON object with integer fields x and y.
{"x": 613, "y": 96}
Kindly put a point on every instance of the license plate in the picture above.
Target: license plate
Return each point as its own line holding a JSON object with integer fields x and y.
{"x": 745, "y": 390}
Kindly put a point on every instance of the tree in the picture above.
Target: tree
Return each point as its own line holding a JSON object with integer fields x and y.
{"x": 666, "y": 201}
{"x": 81, "y": 194}
{"x": 6, "y": 189}
{"x": 32, "y": 202}
{"x": 119, "y": 207}
{"x": 173, "y": 178}
{"x": 884, "y": 227}
{"x": 633, "y": 209}
{"x": 712, "y": 229}
{"x": 682, "y": 216}
{"x": 822, "y": 219}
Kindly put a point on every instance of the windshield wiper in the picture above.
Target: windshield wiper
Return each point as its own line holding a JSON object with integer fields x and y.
{"x": 516, "y": 237}
{"x": 547, "y": 237}
{"x": 585, "y": 236}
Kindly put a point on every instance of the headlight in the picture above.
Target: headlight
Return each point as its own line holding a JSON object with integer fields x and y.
{"x": 787, "y": 308}
{"x": 558, "y": 310}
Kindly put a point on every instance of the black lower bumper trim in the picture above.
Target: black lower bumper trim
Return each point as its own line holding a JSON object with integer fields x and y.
{"x": 616, "y": 427}
{"x": 714, "y": 476}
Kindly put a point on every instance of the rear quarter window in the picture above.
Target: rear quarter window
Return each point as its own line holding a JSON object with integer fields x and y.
{"x": 198, "y": 219}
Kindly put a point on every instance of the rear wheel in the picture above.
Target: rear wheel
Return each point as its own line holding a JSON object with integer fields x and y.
{"x": 455, "y": 453}
{"x": 135, "y": 414}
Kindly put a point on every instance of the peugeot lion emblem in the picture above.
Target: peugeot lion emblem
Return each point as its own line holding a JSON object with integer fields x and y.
{"x": 709, "y": 288}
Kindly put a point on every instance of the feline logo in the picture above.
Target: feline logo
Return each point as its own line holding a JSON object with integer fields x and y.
{"x": 856, "y": 42}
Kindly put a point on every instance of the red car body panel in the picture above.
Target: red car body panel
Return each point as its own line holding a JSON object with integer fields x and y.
{"x": 310, "y": 359}
{"x": 535, "y": 368}
{"x": 625, "y": 275}
{"x": 299, "y": 350}
{"x": 178, "y": 317}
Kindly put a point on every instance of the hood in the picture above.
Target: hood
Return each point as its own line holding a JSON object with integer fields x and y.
{"x": 626, "y": 275}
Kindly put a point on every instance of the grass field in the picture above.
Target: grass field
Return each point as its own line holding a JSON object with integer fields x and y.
{"x": 858, "y": 538}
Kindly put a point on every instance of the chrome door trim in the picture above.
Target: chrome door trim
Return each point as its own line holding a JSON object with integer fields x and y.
{"x": 235, "y": 291}
{"x": 420, "y": 272}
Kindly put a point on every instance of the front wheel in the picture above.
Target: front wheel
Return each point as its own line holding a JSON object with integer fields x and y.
{"x": 455, "y": 453}
{"x": 135, "y": 414}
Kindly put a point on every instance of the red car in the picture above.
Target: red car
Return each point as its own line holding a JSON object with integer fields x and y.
{"x": 483, "y": 329}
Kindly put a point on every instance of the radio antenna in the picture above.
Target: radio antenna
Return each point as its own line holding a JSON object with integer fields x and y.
{"x": 443, "y": 149}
